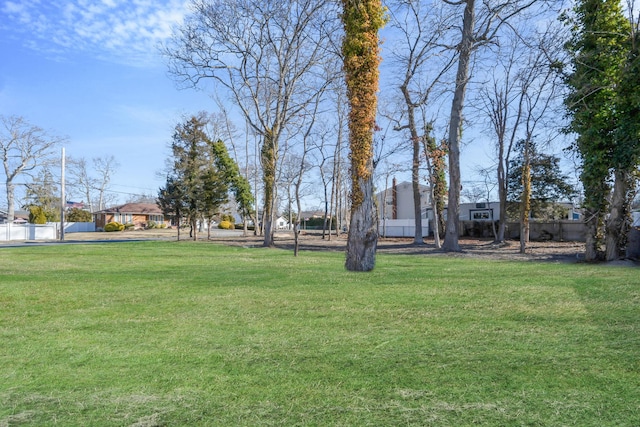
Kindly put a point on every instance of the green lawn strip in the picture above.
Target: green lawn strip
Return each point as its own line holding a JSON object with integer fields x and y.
{"x": 181, "y": 333}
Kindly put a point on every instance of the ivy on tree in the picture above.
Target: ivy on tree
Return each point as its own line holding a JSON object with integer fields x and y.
{"x": 602, "y": 102}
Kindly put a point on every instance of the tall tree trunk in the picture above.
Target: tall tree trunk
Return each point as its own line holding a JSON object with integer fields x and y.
{"x": 194, "y": 228}
{"x": 525, "y": 202}
{"x": 101, "y": 199}
{"x": 415, "y": 181}
{"x": 331, "y": 211}
{"x": 616, "y": 228}
{"x": 269, "y": 157}
{"x": 415, "y": 166}
{"x": 362, "y": 19}
{"x": 11, "y": 213}
{"x": 362, "y": 240}
{"x": 296, "y": 225}
{"x": 455, "y": 126}
{"x": 338, "y": 206}
{"x": 435, "y": 166}
{"x": 325, "y": 221}
{"x": 502, "y": 198}
{"x": 592, "y": 242}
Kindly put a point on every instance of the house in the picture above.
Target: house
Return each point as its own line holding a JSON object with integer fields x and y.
{"x": 138, "y": 214}
{"x": 19, "y": 216}
{"x": 281, "y": 223}
{"x": 480, "y": 211}
{"x": 396, "y": 202}
{"x": 396, "y": 210}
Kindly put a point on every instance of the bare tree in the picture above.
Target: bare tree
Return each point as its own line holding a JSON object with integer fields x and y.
{"x": 104, "y": 167}
{"x": 502, "y": 101}
{"x": 338, "y": 163}
{"x": 417, "y": 52}
{"x": 302, "y": 169}
{"x": 265, "y": 54}
{"x": 288, "y": 174}
{"x": 23, "y": 148}
{"x": 323, "y": 158}
{"x": 80, "y": 180}
{"x": 518, "y": 99}
{"x": 476, "y": 31}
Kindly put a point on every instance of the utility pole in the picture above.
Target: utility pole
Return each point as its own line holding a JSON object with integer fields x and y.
{"x": 63, "y": 201}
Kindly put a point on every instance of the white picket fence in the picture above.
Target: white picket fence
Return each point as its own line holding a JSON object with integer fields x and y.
{"x": 49, "y": 231}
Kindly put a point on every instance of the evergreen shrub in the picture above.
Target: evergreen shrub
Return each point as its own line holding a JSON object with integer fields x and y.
{"x": 114, "y": 226}
{"x": 226, "y": 225}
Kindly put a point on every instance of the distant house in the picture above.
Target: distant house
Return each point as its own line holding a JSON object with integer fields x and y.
{"x": 19, "y": 216}
{"x": 138, "y": 214}
{"x": 396, "y": 202}
{"x": 281, "y": 223}
{"x": 479, "y": 211}
{"x": 396, "y": 210}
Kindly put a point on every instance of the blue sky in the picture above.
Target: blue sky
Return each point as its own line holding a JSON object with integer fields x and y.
{"x": 91, "y": 70}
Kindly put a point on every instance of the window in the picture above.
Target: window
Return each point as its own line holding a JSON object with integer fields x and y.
{"x": 482, "y": 215}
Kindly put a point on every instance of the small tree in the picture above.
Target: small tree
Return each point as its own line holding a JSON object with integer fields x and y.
{"x": 37, "y": 215}
{"x": 548, "y": 183}
{"x": 44, "y": 193}
{"x": 201, "y": 176}
{"x": 78, "y": 215}
{"x": 171, "y": 200}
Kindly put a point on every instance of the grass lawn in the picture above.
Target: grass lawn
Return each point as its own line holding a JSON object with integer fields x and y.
{"x": 185, "y": 334}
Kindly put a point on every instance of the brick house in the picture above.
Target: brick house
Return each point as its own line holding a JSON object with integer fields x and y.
{"x": 138, "y": 214}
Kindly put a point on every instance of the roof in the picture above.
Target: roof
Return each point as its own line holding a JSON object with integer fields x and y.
{"x": 135, "y": 208}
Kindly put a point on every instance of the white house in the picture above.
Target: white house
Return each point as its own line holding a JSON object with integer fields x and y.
{"x": 281, "y": 223}
{"x": 396, "y": 202}
{"x": 396, "y": 211}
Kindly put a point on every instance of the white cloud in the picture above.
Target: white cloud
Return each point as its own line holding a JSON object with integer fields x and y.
{"x": 17, "y": 11}
{"x": 121, "y": 31}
